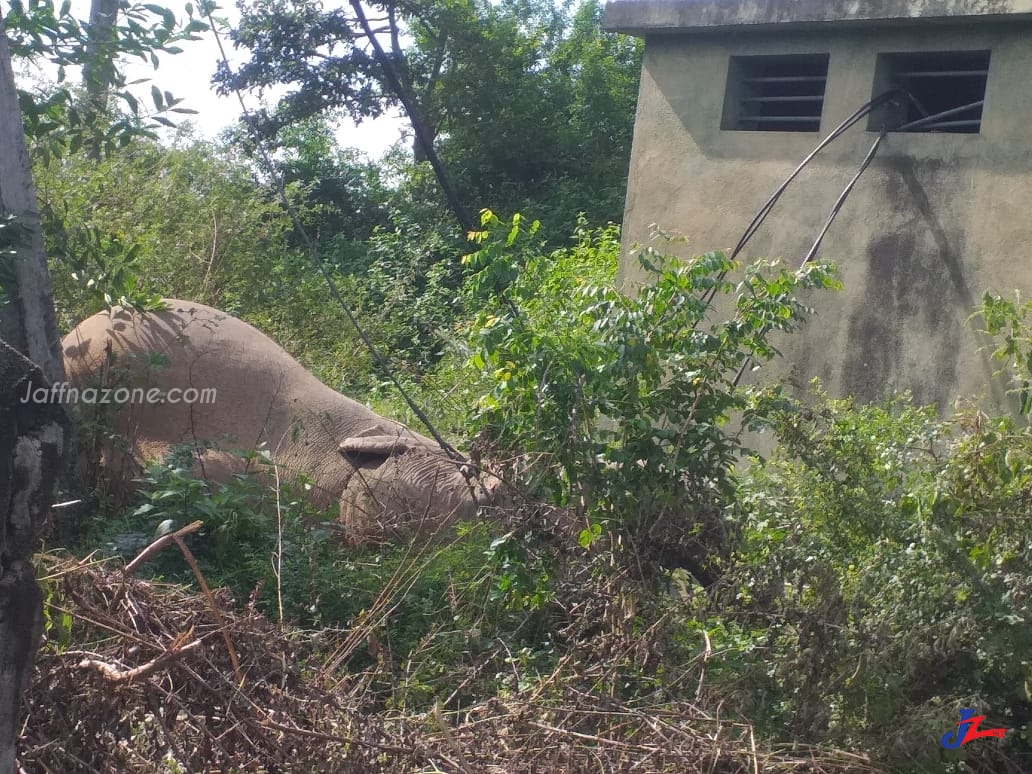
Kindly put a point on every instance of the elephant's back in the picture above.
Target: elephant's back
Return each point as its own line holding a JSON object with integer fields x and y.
{"x": 215, "y": 377}
{"x": 192, "y": 342}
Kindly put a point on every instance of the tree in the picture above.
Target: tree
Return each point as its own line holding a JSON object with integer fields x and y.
{"x": 27, "y": 314}
{"x": 341, "y": 196}
{"x": 536, "y": 112}
{"x": 510, "y": 102}
{"x": 338, "y": 63}
{"x": 55, "y": 124}
{"x": 32, "y": 436}
{"x": 98, "y": 72}
{"x": 56, "y": 118}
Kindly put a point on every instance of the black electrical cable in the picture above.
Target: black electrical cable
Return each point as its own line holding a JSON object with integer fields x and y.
{"x": 269, "y": 168}
{"x": 929, "y": 120}
{"x": 835, "y": 133}
{"x": 812, "y": 253}
{"x": 924, "y": 121}
{"x": 938, "y": 116}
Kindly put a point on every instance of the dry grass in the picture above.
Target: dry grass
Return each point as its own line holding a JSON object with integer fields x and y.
{"x": 150, "y": 685}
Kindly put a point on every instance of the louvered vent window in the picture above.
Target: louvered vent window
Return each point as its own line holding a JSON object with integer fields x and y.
{"x": 944, "y": 91}
{"x": 782, "y": 93}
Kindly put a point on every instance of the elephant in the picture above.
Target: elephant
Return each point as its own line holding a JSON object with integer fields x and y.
{"x": 247, "y": 393}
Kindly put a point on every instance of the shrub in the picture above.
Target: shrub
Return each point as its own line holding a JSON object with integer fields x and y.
{"x": 431, "y": 608}
{"x": 620, "y": 405}
{"x": 882, "y": 577}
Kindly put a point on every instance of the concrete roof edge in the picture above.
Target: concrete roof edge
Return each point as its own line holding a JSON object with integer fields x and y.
{"x": 637, "y": 17}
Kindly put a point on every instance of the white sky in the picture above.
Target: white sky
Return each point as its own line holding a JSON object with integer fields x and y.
{"x": 188, "y": 76}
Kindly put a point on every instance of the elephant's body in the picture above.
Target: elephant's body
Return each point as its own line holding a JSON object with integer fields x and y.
{"x": 380, "y": 472}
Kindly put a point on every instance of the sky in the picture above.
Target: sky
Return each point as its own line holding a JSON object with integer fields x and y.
{"x": 188, "y": 76}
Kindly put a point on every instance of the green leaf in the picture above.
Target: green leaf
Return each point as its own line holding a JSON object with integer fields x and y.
{"x": 164, "y": 528}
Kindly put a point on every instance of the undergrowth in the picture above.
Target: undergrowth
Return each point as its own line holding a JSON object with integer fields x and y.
{"x": 659, "y": 595}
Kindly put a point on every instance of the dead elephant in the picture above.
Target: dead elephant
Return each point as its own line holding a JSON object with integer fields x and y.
{"x": 194, "y": 375}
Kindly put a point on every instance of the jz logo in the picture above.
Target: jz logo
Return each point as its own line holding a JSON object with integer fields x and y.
{"x": 967, "y": 729}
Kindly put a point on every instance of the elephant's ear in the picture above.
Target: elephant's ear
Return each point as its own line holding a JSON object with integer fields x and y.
{"x": 373, "y": 446}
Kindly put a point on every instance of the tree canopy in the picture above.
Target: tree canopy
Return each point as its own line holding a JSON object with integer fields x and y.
{"x": 522, "y": 101}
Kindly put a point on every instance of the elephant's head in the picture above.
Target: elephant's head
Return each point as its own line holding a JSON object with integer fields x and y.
{"x": 401, "y": 486}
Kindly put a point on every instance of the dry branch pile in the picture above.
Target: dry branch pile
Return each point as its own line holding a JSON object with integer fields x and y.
{"x": 152, "y": 683}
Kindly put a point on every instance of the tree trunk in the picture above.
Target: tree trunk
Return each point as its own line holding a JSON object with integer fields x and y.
{"x": 422, "y": 130}
{"x": 99, "y": 70}
{"x": 33, "y": 437}
{"x": 27, "y": 319}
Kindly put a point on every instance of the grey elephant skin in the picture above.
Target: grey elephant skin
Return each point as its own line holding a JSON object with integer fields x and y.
{"x": 386, "y": 479}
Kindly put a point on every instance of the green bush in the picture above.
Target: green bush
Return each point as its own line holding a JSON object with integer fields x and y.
{"x": 432, "y": 609}
{"x": 620, "y": 405}
{"x": 882, "y": 577}
{"x": 236, "y": 545}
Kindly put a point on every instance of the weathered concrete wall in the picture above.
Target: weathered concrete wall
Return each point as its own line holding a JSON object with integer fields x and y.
{"x": 935, "y": 221}
{"x": 649, "y": 16}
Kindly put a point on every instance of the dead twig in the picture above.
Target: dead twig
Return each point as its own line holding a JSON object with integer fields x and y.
{"x": 116, "y": 675}
{"x": 157, "y": 545}
{"x": 177, "y": 538}
{"x": 215, "y": 610}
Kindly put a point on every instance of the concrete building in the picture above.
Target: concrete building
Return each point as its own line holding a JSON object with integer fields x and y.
{"x": 735, "y": 93}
